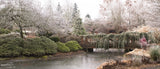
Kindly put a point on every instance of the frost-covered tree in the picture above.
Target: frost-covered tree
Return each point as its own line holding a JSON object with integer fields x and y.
{"x": 68, "y": 10}
{"x": 113, "y": 10}
{"x": 61, "y": 25}
{"x": 20, "y": 13}
{"x": 89, "y": 24}
{"x": 131, "y": 12}
{"x": 4, "y": 14}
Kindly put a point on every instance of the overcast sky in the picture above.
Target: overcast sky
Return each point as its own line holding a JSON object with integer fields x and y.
{"x": 89, "y": 7}
{"x": 85, "y": 6}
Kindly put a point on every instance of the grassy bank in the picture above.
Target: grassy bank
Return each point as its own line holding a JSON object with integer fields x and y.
{"x": 45, "y": 57}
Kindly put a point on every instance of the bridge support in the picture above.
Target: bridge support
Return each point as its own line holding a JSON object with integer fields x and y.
{"x": 88, "y": 49}
{"x": 127, "y": 50}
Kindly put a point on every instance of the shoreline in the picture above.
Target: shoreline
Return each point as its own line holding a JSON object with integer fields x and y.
{"x": 143, "y": 66}
{"x": 136, "y": 59}
{"x": 128, "y": 64}
{"x": 45, "y": 57}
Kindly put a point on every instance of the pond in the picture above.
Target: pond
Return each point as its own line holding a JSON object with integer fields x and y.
{"x": 81, "y": 61}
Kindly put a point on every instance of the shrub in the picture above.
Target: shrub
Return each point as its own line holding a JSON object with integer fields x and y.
{"x": 17, "y": 30}
{"x": 77, "y": 44}
{"x": 154, "y": 52}
{"x": 32, "y": 47}
{"x": 55, "y": 39}
{"x": 45, "y": 33}
{"x": 69, "y": 38}
{"x": 62, "y": 47}
{"x": 73, "y": 45}
{"x": 49, "y": 46}
{"x": 4, "y": 31}
{"x": 39, "y": 47}
{"x": 11, "y": 48}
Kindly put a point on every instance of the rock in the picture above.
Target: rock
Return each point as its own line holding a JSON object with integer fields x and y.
{"x": 138, "y": 52}
{"x": 125, "y": 62}
{"x": 102, "y": 65}
{"x": 139, "y": 55}
{"x": 108, "y": 65}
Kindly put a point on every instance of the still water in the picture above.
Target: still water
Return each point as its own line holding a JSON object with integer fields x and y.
{"x": 81, "y": 61}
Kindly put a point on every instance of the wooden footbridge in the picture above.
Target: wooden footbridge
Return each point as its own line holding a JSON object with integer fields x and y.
{"x": 127, "y": 40}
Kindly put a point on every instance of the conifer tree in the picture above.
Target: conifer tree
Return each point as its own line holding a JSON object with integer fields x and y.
{"x": 77, "y": 22}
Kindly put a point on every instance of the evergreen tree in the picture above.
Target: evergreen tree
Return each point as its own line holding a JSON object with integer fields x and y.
{"x": 75, "y": 11}
{"x": 78, "y": 28}
{"x": 88, "y": 16}
{"x": 77, "y": 22}
{"x": 59, "y": 8}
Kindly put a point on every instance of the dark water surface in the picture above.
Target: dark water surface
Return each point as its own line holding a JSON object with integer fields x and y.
{"x": 82, "y": 61}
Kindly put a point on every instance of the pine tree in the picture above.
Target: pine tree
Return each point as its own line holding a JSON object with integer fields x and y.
{"x": 59, "y": 8}
{"x": 77, "y": 22}
{"x": 88, "y": 16}
{"x": 75, "y": 11}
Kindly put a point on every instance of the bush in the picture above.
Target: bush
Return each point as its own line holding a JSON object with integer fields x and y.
{"x": 62, "y": 47}
{"x": 55, "y": 39}
{"x": 73, "y": 45}
{"x": 4, "y": 31}
{"x": 39, "y": 47}
{"x": 154, "y": 52}
{"x": 76, "y": 44}
{"x": 45, "y": 33}
{"x": 17, "y": 30}
{"x": 49, "y": 46}
{"x": 13, "y": 47}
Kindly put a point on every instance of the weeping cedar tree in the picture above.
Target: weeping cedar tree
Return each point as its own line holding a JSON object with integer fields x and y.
{"x": 77, "y": 22}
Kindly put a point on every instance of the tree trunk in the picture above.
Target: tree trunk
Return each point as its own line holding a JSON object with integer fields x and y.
{"x": 21, "y": 31}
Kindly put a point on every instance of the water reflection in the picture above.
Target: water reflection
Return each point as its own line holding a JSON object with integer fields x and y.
{"x": 83, "y": 61}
